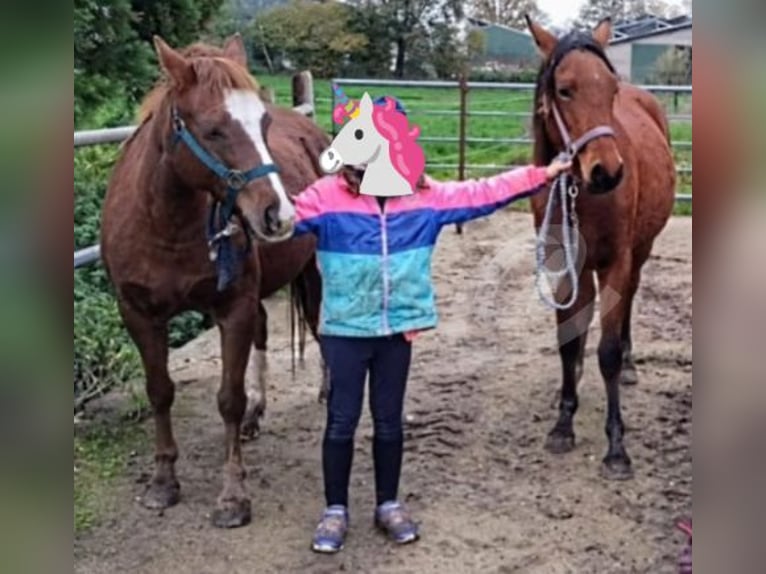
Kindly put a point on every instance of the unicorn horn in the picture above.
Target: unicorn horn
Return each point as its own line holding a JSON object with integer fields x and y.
{"x": 339, "y": 93}
{"x": 350, "y": 108}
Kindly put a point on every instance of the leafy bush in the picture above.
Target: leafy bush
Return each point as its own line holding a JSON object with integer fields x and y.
{"x": 104, "y": 356}
{"x": 524, "y": 76}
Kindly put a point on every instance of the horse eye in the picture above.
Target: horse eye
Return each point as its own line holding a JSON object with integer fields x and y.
{"x": 565, "y": 93}
{"x": 358, "y": 134}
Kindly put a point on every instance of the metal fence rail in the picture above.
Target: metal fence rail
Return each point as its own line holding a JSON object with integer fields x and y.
{"x": 463, "y": 113}
{"x": 303, "y": 103}
{"x": 106, "y": 136}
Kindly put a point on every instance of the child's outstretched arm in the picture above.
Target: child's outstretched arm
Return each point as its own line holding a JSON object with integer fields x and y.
{"x": 461, "y": 201}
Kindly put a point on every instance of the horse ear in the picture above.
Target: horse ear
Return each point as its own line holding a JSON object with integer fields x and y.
{"x": 177, "y": 67}
{"x": 546, "y": 42}
{"x": 234, "y": 49}
{"x": 365, "y": 104}
{"x": 602, "y": 33}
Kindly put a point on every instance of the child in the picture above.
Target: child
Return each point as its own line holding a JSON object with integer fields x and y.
{"x": 374, "y": 254}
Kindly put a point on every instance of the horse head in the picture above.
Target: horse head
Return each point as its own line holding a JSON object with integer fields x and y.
{"x": 576, "y": 91}
{"x": 213, "y": 106}
{"x": 357, "y": 143}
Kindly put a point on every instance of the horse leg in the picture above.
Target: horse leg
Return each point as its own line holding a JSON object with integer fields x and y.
{"x": 628, "y": 374}
{"x": 614, "y": 301}
{"x": 237, "y": 326}
{"x": 572, "y": 333}
{"x": 151, "y": 338}
{"x": 312, "y": 300}
{"x": 256, "y": 377}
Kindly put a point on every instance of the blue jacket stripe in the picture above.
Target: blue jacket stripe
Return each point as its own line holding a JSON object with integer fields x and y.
{"x": 464, "y": 214}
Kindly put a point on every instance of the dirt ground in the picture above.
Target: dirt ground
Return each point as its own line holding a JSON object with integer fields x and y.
{"x": 482, "y": 397}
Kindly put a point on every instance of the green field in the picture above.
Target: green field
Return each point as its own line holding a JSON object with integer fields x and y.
{"x": 419, "y": 101}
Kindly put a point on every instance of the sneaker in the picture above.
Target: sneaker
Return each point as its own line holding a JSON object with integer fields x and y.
{"x": 685, "y": 560}
{"x": 330, "y": 533}
{"x": 393, "y": 519}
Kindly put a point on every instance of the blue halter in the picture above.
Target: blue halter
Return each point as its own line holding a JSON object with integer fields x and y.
{"x": 219, "y": 226}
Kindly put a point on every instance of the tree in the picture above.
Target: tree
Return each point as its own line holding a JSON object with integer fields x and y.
{"x": 404, "y": 23}
{"x": 109, "y": 57}
{"x": 595, "y": 10}
{"x": 506, "y": 12}
{"x": 308, "y": 35}
{"x": 673, "y": 67}
{"x": 179, "y": 22}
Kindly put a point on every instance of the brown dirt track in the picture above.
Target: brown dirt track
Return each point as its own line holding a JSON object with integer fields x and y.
{"x": 481, "y": 400}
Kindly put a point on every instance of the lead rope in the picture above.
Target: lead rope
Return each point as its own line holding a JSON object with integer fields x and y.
{"x": 565, "y": 191}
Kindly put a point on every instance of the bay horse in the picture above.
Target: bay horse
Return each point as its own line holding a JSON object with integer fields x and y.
{"x": 623, "y": 162}
{"x": 197, "y": 216}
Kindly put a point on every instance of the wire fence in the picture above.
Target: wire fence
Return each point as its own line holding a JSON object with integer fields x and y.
{"x": 482, "y": 108}
{"x": 515, "y": 98}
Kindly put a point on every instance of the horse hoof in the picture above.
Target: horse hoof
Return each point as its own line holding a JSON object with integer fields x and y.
{"x": 232, "y": 513}
{"x": 251, "y": 429}
{"x": 616, "y": 468}
{"x": 629, "y": 376}
{"x": 560, "y": 443}
{"x": 161, "y": 495}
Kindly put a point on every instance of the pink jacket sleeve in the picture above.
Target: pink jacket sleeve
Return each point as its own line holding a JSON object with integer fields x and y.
{"x": 307, "y": 211}
{"x": 461, "y": 201}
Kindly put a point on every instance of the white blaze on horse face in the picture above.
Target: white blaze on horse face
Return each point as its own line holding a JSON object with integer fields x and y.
{"x": 246, "y": 107}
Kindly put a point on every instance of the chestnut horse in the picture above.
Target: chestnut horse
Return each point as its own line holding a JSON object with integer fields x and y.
{"x": 195, "y": 211}
{"x": 619, "y": 138}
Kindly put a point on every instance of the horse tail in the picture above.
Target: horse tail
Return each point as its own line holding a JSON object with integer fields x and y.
{"x": 298, "y": 320}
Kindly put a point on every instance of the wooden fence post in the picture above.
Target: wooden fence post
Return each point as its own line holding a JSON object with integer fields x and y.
{"x": 303, "y": 91}
{"x": 267, "y": 94}
{"x": 461, "y": 136}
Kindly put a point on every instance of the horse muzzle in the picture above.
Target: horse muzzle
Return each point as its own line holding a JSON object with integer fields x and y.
{"x": 276, "y": 226}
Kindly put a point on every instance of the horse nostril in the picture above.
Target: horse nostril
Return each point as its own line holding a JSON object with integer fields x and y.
{"x": 271, "y": 217}
{"x": 602, "y": 180}
{"x": 598, "y": 174}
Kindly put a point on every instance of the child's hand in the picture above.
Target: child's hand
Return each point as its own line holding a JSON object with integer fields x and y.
{"x": 556, "y": 167}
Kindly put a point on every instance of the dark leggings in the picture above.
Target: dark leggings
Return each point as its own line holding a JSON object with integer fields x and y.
{"x": 349, "y": 359}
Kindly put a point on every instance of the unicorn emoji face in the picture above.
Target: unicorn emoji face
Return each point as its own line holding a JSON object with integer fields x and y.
{"x": 379, "y": 138}
{"x": 358, "y": 143}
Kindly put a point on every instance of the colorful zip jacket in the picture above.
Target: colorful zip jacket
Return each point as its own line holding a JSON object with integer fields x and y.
{"x": 376, "y": 263}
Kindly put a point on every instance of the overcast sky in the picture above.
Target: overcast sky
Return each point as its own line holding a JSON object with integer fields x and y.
{"x": 562, "y": 11}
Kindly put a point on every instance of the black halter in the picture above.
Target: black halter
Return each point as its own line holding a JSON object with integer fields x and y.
{"x": 574, "y": 40}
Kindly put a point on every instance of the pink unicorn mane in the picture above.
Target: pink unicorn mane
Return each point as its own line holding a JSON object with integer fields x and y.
{"x": 405, "y": 154}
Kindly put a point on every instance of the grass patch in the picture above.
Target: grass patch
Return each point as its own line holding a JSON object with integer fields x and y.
{"x": 420, "y": 101}
{"x": 101, "y": 454}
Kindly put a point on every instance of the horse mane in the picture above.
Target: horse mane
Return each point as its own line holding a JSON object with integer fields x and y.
{"x": 211, "y": 69}
{"x": 574, "y": 40}
{"x": 406, "y": 156}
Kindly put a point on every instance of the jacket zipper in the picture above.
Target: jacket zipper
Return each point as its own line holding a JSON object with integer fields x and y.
{"x": 384, "y": 239}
